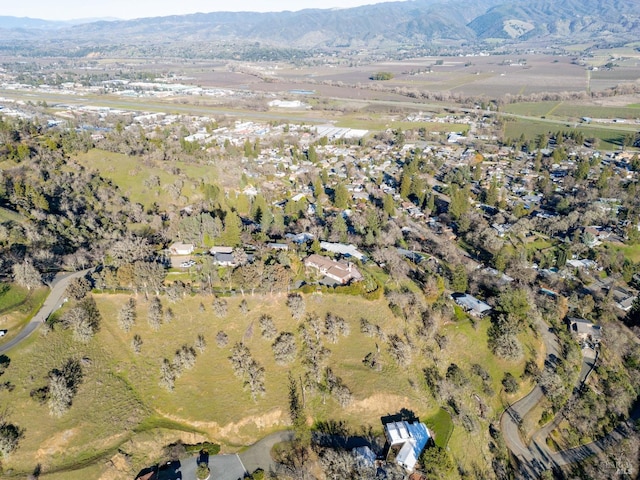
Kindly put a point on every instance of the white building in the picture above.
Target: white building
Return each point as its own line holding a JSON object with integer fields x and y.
{"x": 411, "y": 438}
{"x": 179, "y": 248}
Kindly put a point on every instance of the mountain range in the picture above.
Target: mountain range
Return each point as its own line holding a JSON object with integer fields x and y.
{"x": 409, "y": 22}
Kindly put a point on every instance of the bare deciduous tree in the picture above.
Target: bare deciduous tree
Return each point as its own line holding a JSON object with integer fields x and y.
{"x": 154, "y": 316}
{"x": 220, "y": 307}
{"x": 26, "y": 275}
{"x": 222, "y": 339}
{"x": 201, "y": 343}
{"x": 127, "y": 315}
{"x": 84, "y": 319}
{"x": 296, "y": 305}
{"x": 136, "y": 343}
{"x": 267, "y": 327}
{"x": 167, "y": 375}
{"x": 284, "y": 348}
{"x": 400, "y": 350}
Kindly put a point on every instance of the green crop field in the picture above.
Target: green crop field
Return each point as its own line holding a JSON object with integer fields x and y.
{"x": 378, "y": 124}
{"x": 531, "y": 109}
{"x": 209, "y": 398}
{"x": 610, "y": 137}
{"x": 570, "y": 110}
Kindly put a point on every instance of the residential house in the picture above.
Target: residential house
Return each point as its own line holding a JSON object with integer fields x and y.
{"x": 471, "y": 304}
{"x": 408, "y": 440}
{"x": 223, "y": 256}
{"x": 415, "y": 257}
{"x": 278, "y": 246}
{"x": 623, "y": 297}
{"x": 216, "y": 250}
{"x": 224, "y": 259}
{"x": 584, "y": 330}
{"x": 299, "y": 238}
{"x": 340, "y": 272}
{"x": 343, "y": 249}
{"x": 179, "y": 248}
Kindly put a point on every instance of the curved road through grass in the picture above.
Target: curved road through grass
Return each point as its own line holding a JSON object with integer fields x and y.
{"x": 51, "y": 304}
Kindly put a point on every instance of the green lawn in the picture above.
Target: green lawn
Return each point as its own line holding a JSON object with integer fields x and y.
{"x": 632, "y": 252}
{"x": 441, "y": 425}
{"x": 12, "y": 296}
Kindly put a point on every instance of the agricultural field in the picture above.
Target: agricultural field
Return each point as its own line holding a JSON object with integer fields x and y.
{"x": 208, "y": 400}
{"x": 573, "y": 111}
{"x": 610, "y": 137}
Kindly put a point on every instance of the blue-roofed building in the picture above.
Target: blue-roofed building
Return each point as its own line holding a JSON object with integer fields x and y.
{"x": 471, "y": 304}
{"x": 410, "y": 439}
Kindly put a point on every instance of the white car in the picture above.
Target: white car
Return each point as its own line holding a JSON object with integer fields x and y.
{"x": 3, "y": 333}
{"x": 188, "y": 264}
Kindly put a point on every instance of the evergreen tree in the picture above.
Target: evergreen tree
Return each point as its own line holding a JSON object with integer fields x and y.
{"x": 341, "y": 197}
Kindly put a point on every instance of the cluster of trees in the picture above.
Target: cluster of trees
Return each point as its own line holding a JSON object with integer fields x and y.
{"x": 511, "y": 317}
{"x": 248, "y": 370}
{"x": 183, "y": 359}
{"x": 83, "y": 319}
{"x": 62, "y": 386}
{"x": 10, "y": 435}
{"x": 381, "y": 76}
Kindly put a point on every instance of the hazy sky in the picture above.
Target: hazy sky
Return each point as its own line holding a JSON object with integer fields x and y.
{"x": 73, "y": 9}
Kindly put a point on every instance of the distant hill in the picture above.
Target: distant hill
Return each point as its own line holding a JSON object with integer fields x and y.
{"x": 416, "y": 22}
{"x": 27, "y": 23}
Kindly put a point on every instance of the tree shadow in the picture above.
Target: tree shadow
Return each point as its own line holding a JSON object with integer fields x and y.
{"x": 203, "y": 457}
{"x": 404, "y": 415}
{"x": 4, "y": 363}
{"x": 147, "y": 473}
{"x": 170, "y": 471}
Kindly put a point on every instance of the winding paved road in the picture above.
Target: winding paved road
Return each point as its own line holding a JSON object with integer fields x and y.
{"x": 51, "y": 304}
{"x": 536, "y": 457}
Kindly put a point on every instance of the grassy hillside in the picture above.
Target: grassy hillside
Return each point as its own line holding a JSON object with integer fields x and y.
{"x": 17, "y": 306}
{"x": 130, "y": 175}
{"x": 121, "y": 405}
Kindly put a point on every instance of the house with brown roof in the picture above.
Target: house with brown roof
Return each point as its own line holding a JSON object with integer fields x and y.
{"x": 340, "y": 272}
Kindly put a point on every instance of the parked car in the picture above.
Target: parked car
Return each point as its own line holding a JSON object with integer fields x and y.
{"x": 188, "y": 264}
{"x": 3, "y": 333}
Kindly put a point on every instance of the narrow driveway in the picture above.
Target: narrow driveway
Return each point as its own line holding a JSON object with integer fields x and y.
{"x": 234, "y": 467}
{"x": 51, "y": 304}
{"x": 258, "y": 455}
{"x": 223, "y": 467}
